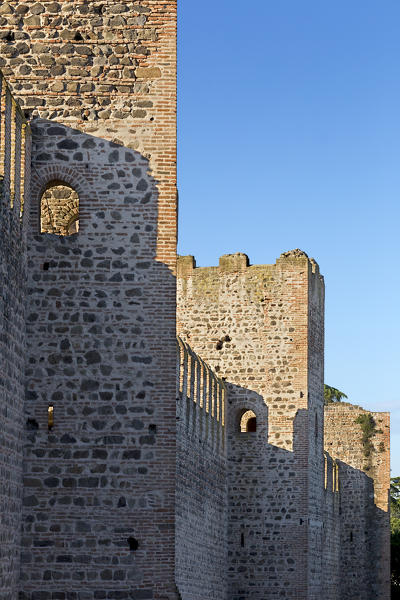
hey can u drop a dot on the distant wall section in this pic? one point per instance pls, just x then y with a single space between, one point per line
14 200
360 440
201 480
261 328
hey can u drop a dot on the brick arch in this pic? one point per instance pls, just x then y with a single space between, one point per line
248 418
55 175
59 209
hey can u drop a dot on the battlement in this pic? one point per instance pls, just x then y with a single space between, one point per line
239 262
253 324
361 439
201 401
15 143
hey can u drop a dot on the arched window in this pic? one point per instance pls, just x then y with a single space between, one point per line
59 209
248 422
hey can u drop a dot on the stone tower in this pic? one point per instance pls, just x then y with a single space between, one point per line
98 80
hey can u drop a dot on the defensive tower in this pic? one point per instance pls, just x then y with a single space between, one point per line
98 80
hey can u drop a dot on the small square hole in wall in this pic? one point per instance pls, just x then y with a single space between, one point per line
133 544
46 266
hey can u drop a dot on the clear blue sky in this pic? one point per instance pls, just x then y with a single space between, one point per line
289 136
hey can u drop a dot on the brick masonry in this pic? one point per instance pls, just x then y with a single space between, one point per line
365 475
98 81
14 185
261 329
128 471
201 480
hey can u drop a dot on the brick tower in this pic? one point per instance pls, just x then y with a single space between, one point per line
98 80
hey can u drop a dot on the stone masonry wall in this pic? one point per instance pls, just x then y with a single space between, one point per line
107 68
99 78
330 547
314 425
14 181
252 325
201 480
99 507
344 441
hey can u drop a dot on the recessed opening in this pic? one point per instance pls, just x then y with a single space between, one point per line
248 422
59 210
50 416
242 540
133 544
46 266
32 424
78 37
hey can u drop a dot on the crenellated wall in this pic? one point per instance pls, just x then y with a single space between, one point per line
330 547
261 328
125 473
14 197
201 480
98 81
365 483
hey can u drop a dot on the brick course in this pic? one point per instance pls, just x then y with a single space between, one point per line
145 482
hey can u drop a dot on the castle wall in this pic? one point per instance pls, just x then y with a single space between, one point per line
330 550
365 483
106 68
315 439
201 480
358 570
99 485
252 325
14 181
99 502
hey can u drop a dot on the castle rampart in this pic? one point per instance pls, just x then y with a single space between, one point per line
261 328
129 470
98 81
14 190
361 441
201 479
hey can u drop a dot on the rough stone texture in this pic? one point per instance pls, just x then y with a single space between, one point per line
99 351
260 328
289 504
59 211
14 182
365 475
201 480
99 500
127 493
106 68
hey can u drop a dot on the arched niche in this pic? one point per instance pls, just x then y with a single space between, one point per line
59 209
248 422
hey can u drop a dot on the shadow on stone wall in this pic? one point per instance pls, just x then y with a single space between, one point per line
99 484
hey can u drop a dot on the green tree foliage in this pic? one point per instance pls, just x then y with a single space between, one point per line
331 394
395 536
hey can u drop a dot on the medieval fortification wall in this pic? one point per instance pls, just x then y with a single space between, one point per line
290 506
14 186
201 479
128 470
99 81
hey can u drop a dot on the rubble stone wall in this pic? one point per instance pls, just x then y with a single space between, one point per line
106 68
201 480
14 182
365 457
99 513
251 324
